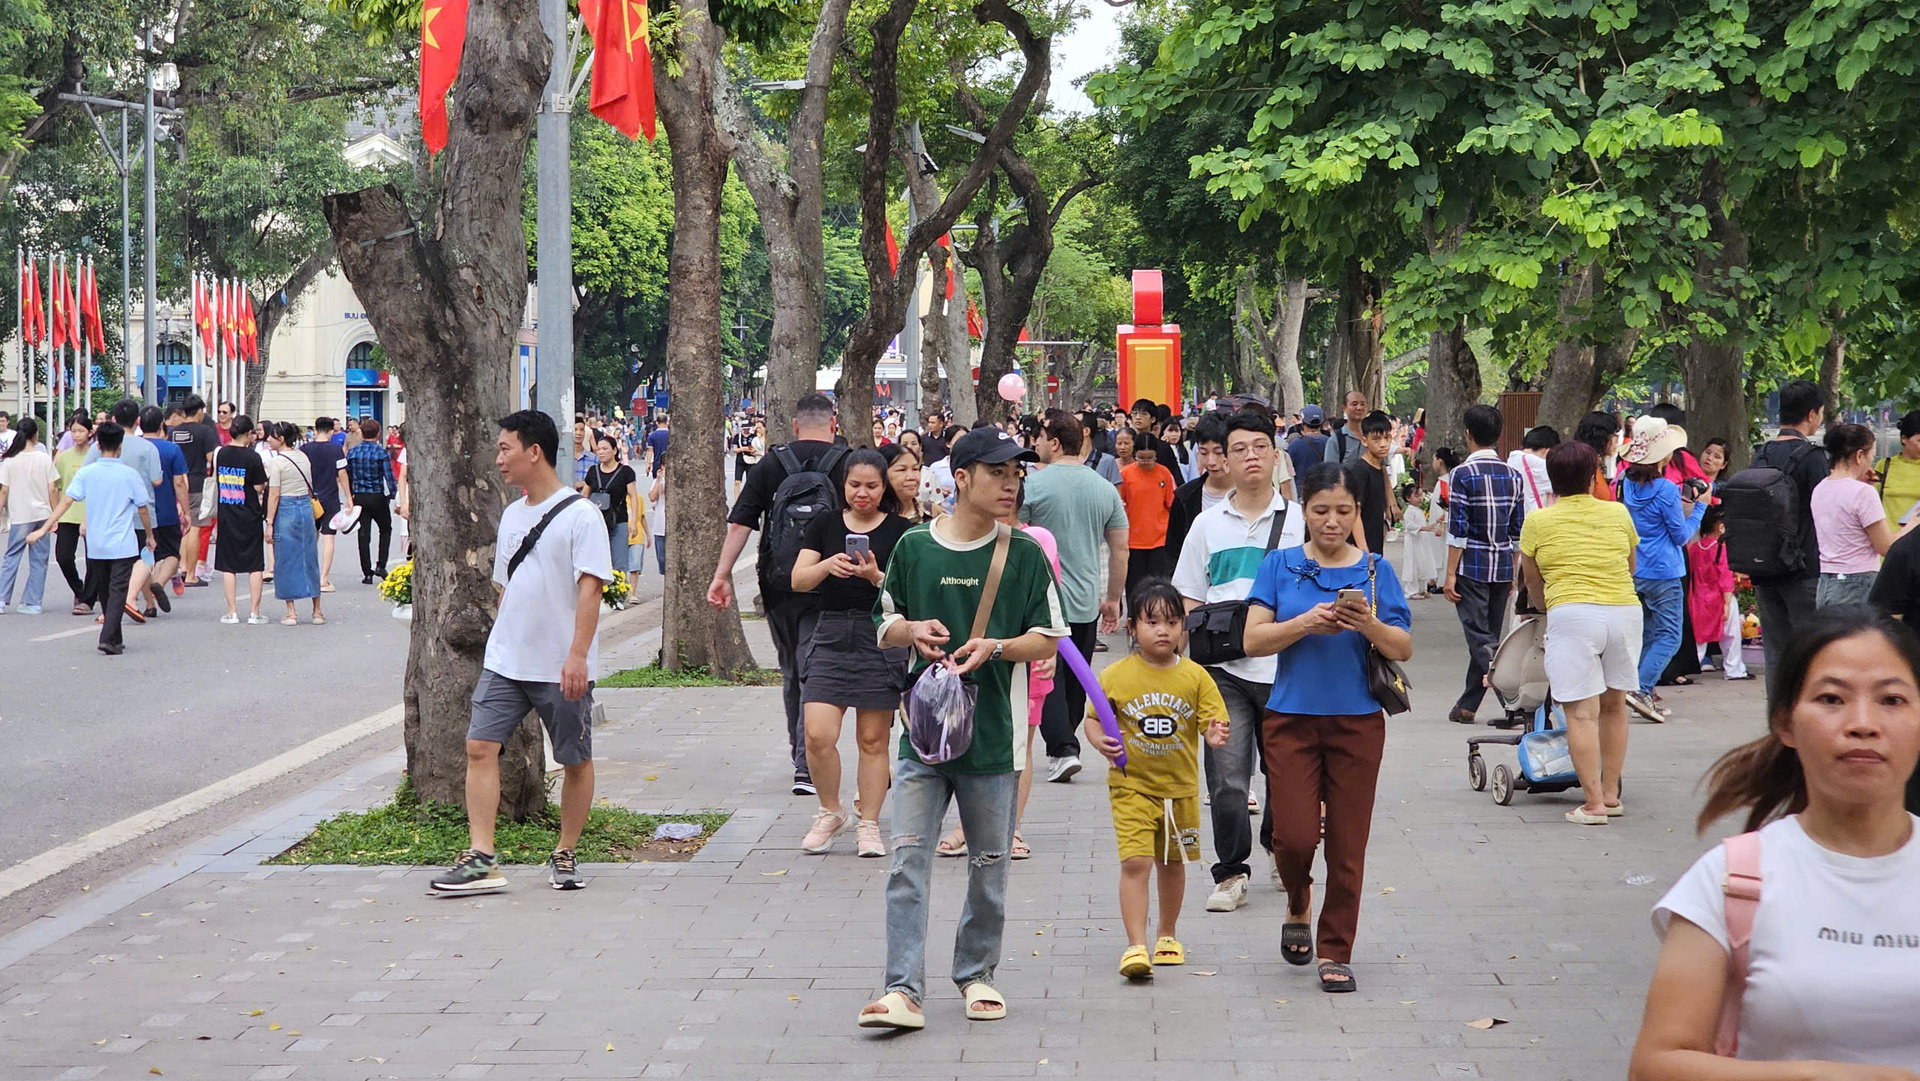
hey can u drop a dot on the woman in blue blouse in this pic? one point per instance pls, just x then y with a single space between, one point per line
1665 519
1324 732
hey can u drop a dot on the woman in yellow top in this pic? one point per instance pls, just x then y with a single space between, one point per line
1578 555
86 589
1900 474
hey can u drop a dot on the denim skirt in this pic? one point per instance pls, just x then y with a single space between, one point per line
843 664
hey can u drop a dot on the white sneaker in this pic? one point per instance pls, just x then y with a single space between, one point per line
230 619
1061 770
1228 895
1273 876
257 620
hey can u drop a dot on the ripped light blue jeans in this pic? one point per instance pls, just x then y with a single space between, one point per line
919 803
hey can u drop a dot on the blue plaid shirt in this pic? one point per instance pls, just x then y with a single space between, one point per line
1486 507
370 470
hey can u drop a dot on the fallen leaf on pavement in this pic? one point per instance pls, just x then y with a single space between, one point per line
1280 1002
771 874
650 777
154 1069
609 1047
1388 889
793 998
255 1013
143 915
1408 1001
1215 972
275 1027
1485 1023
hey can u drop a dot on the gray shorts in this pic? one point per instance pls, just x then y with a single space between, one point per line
500 704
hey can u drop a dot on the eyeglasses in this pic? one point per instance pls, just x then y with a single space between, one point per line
1247 450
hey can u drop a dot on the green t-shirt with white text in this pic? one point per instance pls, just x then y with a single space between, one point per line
932 577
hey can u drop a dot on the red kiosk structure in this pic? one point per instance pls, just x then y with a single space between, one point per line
1147 351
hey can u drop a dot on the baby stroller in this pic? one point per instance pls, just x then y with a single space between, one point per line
1518 680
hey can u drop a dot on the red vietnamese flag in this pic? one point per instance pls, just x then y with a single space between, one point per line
622 93
893 250
249 330
975 329
60 307
203 315
443 34
227 292
90 306
33 324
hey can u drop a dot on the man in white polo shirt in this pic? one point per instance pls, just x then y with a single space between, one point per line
1223 552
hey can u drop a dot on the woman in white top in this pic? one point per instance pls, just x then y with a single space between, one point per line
28 491
656 514
292 530
1832 977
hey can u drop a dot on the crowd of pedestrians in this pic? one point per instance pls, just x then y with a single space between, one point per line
247 503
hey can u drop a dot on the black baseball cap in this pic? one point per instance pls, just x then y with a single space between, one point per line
989 445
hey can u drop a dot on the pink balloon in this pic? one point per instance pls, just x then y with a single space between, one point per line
1013 386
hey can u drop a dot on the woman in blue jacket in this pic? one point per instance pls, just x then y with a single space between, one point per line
1666 519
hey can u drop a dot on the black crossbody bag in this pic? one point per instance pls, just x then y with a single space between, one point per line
533 535
1216 631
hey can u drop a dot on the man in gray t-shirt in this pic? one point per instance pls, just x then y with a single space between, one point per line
135 451
1080 508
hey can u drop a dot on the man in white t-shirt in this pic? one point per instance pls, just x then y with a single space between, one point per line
550 562
1222 553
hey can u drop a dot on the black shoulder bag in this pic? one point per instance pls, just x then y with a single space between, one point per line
533 535
1215 631
1386 680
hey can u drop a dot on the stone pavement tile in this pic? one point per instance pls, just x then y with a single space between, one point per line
752 960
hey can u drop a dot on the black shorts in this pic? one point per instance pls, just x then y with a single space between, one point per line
740 466
166 542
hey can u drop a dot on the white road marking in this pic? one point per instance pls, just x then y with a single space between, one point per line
89 629
55 860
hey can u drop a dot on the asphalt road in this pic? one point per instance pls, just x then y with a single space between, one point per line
93 739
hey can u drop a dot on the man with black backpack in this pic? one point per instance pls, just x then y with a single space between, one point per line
787 489
1768 508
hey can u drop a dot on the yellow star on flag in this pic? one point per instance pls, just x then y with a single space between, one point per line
636 20
426 27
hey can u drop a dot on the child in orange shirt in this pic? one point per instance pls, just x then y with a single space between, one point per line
1146 488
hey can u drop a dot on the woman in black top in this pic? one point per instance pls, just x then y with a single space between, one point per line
843 667
613 487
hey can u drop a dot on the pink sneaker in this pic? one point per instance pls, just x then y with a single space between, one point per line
866 839
826 826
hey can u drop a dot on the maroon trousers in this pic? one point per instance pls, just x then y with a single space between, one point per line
1313 759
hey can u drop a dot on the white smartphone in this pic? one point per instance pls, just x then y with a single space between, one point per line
1908 517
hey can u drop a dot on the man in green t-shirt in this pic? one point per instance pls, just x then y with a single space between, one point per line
935 579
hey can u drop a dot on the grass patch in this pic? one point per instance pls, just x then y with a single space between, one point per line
653 675
409 831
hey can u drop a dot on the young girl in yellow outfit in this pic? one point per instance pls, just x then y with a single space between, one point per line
1163 702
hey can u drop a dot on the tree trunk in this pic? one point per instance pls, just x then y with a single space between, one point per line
933 333
1833 362
1566 395
790 204
957 355
1453 384
1714 368
888 287
1360 352
446 301
694 633
1292 317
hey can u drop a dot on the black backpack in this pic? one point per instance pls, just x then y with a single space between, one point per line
1764 510
806 494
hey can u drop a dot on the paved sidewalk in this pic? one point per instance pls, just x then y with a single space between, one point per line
752 961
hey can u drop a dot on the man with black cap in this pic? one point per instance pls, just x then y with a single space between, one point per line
936 581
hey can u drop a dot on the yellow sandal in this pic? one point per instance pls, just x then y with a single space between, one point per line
1168 951
1136 964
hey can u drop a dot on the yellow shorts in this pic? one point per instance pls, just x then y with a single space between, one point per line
1168 830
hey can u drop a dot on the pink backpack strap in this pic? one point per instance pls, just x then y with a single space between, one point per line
1742 889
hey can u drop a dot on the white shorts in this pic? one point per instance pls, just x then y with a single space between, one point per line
1592 648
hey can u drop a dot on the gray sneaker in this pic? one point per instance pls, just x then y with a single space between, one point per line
561 872
474 872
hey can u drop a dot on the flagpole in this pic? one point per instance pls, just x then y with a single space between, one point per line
86 341
20 350
193 335
54 264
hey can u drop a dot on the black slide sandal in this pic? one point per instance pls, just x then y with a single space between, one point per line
1296 943
1335 986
